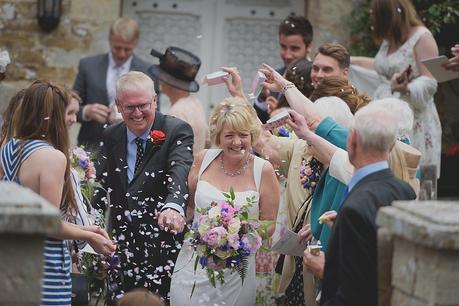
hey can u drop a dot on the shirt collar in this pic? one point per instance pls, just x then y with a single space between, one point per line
112 64
359 174
131 136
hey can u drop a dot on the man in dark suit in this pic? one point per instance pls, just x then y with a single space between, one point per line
351 261
96 79
146 159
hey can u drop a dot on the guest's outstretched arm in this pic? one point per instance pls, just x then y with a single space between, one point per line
363 61
234 82
267 145
296 100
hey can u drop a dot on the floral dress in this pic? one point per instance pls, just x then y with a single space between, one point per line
427 129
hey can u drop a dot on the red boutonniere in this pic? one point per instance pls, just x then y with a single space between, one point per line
453 149
156 137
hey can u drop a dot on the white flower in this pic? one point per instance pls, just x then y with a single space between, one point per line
234 226
203 228
214 212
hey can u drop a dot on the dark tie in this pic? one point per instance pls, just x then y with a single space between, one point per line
139 155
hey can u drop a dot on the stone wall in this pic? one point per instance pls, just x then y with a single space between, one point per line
55 55
330 20
25 219
83 29
418 254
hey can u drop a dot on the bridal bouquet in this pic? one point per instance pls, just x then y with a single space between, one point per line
81 162
225 236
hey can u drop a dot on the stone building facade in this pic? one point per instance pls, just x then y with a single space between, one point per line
83 31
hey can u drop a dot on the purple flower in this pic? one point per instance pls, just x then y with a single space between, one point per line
244 249
233 241
84 163
283 132
195 225
203 261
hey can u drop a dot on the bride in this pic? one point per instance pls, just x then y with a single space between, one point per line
234 128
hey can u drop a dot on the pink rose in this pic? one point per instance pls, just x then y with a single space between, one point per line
227 211
90 172
215 237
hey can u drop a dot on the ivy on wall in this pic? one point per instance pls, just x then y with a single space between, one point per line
440 17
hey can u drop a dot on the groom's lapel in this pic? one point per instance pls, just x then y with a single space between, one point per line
119 153
150 148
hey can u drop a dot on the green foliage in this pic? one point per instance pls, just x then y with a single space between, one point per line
440 17
242 268
361 40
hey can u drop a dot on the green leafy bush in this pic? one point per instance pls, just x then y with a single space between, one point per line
440 17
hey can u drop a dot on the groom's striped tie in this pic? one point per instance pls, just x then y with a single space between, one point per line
139 155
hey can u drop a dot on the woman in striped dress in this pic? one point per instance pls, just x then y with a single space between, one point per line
34 155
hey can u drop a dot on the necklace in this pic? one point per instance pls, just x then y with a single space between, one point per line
236 172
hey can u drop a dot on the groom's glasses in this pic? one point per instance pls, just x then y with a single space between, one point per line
131 108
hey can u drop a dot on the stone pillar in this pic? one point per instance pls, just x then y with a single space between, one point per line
25 218
420 242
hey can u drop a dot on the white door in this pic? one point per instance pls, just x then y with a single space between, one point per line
241 33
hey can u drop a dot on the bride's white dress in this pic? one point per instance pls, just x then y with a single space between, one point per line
232 292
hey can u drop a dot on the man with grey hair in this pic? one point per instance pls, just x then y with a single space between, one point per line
145 165
350 276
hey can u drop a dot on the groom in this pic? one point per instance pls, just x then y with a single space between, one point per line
146 160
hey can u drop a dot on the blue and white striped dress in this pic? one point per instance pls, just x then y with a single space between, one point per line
56 283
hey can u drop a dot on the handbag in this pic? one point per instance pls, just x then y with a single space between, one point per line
80 292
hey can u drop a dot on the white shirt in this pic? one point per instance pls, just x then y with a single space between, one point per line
113 73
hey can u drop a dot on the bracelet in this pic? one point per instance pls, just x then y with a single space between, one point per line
286 87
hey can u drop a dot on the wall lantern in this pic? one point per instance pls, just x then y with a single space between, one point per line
49 14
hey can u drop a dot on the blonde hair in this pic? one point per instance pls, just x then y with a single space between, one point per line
126 28
236 112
